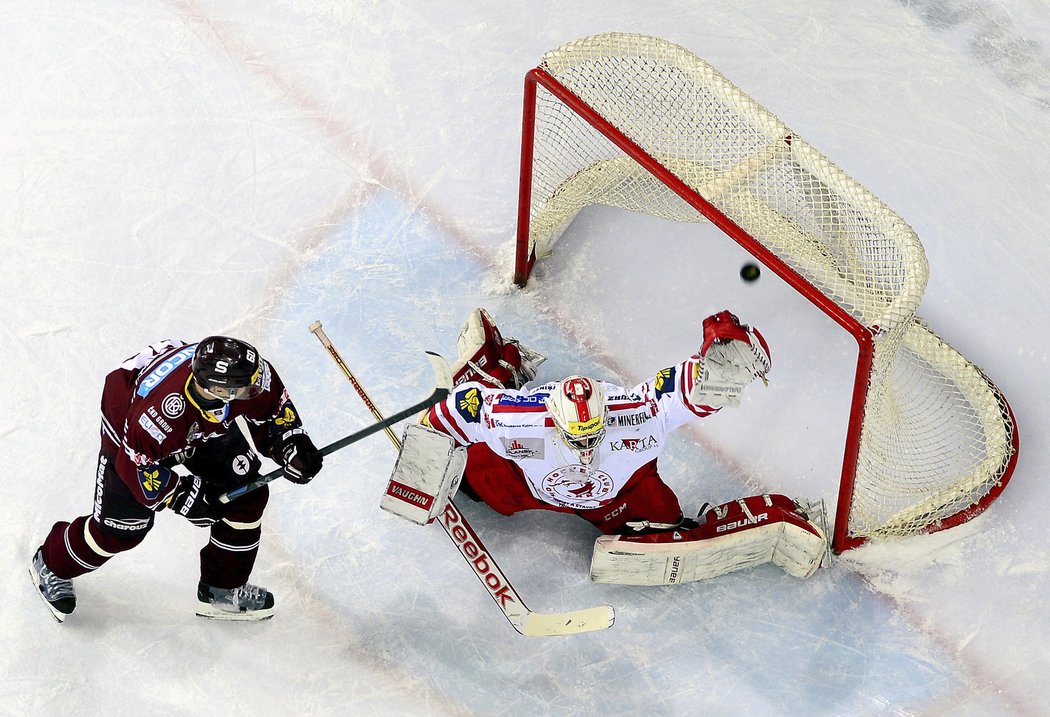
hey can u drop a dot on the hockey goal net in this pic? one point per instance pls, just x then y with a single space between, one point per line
642 124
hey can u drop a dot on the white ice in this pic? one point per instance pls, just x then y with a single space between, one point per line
188 167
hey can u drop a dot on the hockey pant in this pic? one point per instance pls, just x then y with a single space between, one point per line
119 523
503 487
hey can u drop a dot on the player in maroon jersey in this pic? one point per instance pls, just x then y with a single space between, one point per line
171 438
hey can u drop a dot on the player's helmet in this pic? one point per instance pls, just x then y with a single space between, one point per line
577 405
227 369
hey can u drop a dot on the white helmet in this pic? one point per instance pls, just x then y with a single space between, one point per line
577 405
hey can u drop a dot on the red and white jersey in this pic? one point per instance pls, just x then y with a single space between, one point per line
517 426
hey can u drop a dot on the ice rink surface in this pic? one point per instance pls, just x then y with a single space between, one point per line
188 168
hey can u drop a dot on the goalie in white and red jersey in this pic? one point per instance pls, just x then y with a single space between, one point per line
585 446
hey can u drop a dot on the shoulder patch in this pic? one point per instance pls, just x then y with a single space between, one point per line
468 403
153 480
665 381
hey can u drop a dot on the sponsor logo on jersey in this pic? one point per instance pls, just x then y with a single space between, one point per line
468 403
173 405
521 448
525 402
578 487
241 465
630 419
158 419
151 428
664 382
151 380
635 445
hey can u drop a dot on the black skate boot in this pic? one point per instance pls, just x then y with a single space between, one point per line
248 602
57 593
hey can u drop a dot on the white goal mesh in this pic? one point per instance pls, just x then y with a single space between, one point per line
642 124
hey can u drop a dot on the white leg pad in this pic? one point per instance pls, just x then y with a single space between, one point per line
427 474
737 535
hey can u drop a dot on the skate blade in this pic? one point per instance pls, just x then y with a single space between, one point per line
213 613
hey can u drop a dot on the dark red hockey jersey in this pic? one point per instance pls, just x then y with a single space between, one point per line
149 416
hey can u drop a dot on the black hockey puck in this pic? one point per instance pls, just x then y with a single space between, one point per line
750 272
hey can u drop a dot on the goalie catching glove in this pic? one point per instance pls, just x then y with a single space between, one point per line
298 456
486 356
731 356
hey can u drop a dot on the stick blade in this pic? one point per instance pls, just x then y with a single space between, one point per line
541 624
442 372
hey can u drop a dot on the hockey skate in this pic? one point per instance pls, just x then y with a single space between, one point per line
57 593
248 602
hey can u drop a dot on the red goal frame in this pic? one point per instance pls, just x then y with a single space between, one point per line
864 335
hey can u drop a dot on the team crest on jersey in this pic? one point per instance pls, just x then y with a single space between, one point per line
665 381
173 405
578 487
165 367
523 447
468 403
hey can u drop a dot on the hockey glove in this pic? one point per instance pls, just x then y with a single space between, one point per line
299 456
191 502
486 356
731 356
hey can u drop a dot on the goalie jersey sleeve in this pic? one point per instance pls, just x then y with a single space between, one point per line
517 426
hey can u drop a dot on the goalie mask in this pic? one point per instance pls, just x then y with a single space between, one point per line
577 405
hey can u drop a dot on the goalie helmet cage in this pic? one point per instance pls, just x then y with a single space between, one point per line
639 123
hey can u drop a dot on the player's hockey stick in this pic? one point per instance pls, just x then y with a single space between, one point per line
442 385
522 619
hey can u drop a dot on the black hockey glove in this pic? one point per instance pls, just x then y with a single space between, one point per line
299 456
191 502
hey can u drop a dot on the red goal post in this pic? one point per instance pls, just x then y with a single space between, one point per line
640 123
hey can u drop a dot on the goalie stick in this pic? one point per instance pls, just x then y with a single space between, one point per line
443 384
527 622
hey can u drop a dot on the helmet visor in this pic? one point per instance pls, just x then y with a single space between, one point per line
228 393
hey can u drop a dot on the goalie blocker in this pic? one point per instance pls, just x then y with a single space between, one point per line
426 475
736 535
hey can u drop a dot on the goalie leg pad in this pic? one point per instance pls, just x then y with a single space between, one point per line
426 475
736 535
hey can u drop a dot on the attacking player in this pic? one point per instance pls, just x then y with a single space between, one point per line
171 438
588 447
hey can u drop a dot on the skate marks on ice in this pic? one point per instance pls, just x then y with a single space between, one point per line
995 41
